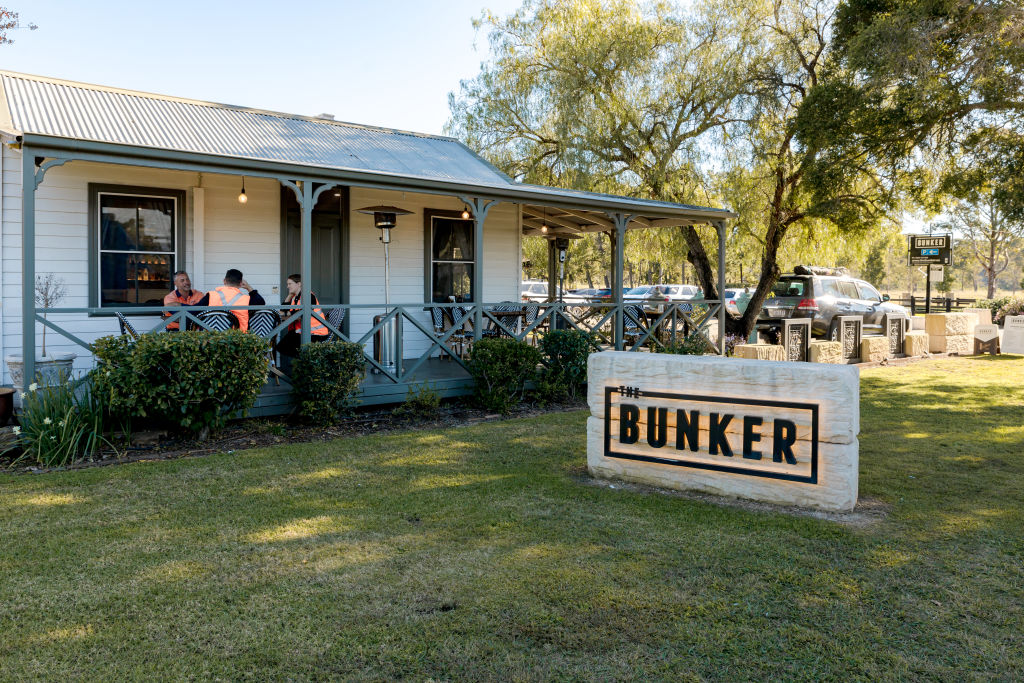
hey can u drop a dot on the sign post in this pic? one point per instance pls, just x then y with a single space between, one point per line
928 250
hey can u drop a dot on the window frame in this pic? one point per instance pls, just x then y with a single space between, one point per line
95 253
428 251
875 298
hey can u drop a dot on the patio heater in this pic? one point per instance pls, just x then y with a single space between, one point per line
384 219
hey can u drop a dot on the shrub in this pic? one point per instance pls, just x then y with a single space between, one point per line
565 363
1009 307
993 305
326 377
58 424
694 345
501 368
192 380
422 402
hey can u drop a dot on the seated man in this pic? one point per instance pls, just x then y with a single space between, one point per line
231 294
181 295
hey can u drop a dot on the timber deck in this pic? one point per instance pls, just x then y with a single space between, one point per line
446 377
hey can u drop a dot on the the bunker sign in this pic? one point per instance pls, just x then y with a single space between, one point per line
750 437
778 432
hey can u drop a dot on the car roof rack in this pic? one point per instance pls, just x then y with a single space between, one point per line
821 270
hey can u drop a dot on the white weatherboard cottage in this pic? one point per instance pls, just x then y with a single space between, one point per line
114 190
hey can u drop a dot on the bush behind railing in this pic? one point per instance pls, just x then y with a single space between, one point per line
565 364
192 380
501 370
326 378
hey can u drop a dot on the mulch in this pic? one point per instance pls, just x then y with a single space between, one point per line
259 432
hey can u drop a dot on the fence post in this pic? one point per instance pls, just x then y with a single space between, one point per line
913 305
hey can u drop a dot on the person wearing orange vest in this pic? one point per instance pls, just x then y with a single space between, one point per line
181 295
231 294
290 342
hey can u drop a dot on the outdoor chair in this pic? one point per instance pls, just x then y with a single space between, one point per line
335 318
262 324
218 321
634 323
493 331
127 327
463 338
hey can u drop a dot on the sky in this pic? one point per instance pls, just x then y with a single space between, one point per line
380 63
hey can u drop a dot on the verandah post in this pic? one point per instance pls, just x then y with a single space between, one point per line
621 222
720 227
28 264
306 265
479 208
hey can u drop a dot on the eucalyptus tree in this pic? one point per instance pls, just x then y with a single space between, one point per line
990 236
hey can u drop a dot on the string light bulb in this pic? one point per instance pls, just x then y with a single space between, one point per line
544 223
242 197
465 212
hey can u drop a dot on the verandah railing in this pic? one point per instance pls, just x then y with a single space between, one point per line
628 326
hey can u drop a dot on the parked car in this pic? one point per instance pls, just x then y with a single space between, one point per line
673 292
534 290
735 301
822 294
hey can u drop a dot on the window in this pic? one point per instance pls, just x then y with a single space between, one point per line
848 289
789 287
830 287
868 292
135 241
451 258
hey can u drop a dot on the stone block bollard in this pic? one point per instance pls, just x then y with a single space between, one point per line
826 352
874 349
915 343
760 351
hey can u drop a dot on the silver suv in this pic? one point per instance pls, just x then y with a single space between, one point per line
823 294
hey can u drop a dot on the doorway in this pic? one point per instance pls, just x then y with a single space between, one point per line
329 277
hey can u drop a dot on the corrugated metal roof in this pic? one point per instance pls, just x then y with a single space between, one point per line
81 111
87 112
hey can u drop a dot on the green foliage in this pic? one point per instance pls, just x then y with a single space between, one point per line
192 380
59 424
326 377
422 402
1012 306
501 369
694 345
565 363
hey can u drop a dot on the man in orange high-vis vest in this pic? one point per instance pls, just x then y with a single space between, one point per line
181 295
234 292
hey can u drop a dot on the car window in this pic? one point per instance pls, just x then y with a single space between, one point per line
868 292
848 289
829 287
789 287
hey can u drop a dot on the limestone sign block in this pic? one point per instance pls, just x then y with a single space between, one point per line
826 352
874 349
917 323
1013 334
915 343
760 351
961 344
984 315
947 324
779 432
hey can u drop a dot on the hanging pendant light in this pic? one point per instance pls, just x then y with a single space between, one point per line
465 212
242 198
544 223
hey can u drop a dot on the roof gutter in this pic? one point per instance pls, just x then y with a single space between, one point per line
196 161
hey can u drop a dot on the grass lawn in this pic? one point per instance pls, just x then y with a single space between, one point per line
482 553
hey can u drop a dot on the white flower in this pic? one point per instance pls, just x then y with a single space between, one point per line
62 423
23 395
33 386
47 421
16 430
53 438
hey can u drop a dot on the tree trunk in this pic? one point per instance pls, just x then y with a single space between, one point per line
990 268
